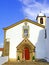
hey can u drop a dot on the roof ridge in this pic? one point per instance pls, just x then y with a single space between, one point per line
33 22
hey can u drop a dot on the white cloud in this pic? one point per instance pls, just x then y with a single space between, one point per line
31 8
29 13
27 2
46 10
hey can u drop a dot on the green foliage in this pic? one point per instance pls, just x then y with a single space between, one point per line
33 58
18 58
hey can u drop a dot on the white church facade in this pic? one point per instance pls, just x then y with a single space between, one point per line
26 39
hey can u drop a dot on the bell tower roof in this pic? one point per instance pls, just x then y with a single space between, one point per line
41 14
41 18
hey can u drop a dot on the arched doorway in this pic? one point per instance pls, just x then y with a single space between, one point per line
25 50
26 54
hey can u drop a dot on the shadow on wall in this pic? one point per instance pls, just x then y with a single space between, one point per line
47 39
3 60
40 51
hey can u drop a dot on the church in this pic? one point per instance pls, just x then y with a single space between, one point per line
26 39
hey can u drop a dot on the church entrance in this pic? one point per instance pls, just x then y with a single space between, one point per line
25 50
26 54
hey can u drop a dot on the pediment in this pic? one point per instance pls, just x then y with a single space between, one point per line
25 43
25 20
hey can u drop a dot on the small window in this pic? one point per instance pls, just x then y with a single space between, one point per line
26 32
41 20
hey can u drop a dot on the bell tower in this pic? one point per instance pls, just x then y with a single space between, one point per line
41 18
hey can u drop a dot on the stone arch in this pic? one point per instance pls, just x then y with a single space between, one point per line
26 49
41 20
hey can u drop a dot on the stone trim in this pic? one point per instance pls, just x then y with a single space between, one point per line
25 20
25 42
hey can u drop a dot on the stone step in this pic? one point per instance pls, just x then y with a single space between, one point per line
26 63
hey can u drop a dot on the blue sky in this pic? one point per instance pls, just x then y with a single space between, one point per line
12 11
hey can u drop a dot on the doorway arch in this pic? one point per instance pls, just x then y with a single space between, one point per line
25 50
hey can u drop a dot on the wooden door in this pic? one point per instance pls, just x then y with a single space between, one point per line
27 54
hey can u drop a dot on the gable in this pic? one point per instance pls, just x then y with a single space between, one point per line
25 20
25 43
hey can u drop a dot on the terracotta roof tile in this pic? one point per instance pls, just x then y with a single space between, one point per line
1 49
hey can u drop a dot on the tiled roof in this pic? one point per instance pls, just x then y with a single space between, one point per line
1 49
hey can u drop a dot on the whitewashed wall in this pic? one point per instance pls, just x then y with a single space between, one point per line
0 53
15 36
36 37
47 39
3 59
